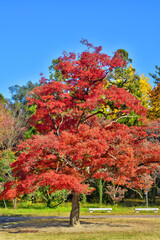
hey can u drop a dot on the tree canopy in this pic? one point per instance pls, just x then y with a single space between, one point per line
78 137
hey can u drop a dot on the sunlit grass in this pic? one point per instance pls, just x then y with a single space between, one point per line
65 208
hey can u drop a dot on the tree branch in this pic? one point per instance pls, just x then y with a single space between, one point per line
116 120
80 120
96 114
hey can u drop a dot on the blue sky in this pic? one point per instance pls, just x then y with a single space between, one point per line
33 32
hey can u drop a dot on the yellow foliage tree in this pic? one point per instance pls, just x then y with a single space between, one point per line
145 89
154 111
137 85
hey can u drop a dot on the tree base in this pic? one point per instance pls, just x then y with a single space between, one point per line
74 216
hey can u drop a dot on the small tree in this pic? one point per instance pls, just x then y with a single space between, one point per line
12 127
116 193
6 158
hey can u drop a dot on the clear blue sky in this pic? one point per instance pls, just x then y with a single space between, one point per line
33 32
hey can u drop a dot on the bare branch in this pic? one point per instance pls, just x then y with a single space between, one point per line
59 124
99 112
80 120
112 156
137 192
116 120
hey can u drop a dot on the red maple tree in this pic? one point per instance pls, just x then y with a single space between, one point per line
79 138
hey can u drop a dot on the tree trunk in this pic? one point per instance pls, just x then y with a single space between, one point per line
15 203
154 191
5 205
84 199
74 216
100 186
48 203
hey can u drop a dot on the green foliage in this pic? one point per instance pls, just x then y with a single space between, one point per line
156 75
84 198
19 99
2 99
31 205
131 120
138 86
19 93
125 55
54 72
126 77
60 196
30 132
42 195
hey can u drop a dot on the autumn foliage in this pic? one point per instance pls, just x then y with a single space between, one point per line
79 139
154 111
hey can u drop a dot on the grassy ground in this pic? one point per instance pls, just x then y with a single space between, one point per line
58 229
98 229
65 208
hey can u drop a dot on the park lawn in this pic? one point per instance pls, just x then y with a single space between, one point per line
65 208
98 229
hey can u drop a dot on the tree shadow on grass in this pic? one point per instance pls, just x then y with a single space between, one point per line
17 224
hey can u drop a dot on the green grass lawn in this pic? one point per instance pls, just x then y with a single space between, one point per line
65 208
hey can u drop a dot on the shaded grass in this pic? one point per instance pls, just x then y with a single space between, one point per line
98 229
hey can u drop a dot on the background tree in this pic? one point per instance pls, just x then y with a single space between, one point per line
154 110
19 107
54 72
12 128
6 158
145 89
156 75
2 99
116 193
19 93
127 78
126 75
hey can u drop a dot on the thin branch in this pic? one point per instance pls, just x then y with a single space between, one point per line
100 79
96 114
146 163
65 198
137 192
126 116
59 124
53 120
80 120
67 161
112 156
71 164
